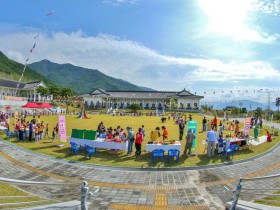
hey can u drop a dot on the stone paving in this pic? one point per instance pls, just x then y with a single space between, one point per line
191 188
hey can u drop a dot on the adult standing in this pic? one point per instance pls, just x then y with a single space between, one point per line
211 140
189 141
30 130
260 121
204 123
181 129
138 142
256 131
215 123
100 128
143 131
155 135
130 138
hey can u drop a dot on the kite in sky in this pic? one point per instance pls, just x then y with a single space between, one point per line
50 13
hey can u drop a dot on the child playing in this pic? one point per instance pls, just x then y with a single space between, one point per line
220 145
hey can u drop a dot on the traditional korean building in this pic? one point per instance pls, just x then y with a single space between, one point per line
100 98
26 91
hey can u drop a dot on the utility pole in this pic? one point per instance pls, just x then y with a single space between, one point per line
268 105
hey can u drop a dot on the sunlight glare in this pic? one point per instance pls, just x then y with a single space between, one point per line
229 18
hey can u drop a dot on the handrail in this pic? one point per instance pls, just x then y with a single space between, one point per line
23 182
263 177
238 187
84 187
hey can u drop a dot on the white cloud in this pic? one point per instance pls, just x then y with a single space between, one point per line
267 6
119 2
231 18
131 61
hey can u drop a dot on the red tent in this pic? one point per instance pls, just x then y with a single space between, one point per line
45 106
8 107
31 105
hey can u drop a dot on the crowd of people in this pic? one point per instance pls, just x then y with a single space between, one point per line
216 136
217 132
33 130
119 135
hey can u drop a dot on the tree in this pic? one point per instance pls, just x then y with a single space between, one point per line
43 91
206 107
134 107
66 94
244 110
258 112
235 110
55 91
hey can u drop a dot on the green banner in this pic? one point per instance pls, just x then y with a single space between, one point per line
193 126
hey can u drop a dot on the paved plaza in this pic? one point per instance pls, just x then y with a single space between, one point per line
121 188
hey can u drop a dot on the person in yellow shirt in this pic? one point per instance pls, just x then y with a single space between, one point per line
155 134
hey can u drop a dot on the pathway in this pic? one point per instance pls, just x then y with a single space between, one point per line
192 188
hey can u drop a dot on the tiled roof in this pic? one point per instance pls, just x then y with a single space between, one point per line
13 84
99 91
143 94
31 85
10 83
139 94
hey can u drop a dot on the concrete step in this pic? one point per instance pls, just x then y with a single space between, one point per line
246 205
70 205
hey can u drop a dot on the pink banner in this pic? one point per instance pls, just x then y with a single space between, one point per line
62 128
247 125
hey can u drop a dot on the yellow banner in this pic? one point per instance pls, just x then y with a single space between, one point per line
12 98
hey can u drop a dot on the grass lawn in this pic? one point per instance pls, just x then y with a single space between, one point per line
150 122
8 194
270 200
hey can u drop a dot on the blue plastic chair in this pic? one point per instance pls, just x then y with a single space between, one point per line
74 148
174 153
158 153
89 151
230 150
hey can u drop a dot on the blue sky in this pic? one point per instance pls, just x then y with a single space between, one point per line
226 48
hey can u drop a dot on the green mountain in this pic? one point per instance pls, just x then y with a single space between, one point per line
12 70
81 80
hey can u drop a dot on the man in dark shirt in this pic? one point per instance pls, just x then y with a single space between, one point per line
181 129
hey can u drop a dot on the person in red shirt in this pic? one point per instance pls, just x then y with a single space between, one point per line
164 133
138 142
215 122
268 137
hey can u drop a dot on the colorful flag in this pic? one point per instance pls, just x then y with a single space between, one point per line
62 128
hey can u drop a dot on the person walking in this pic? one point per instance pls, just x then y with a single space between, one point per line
211 140
47 131
130 139
189 141
138 142
53 134
181 129
143 131
204 123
